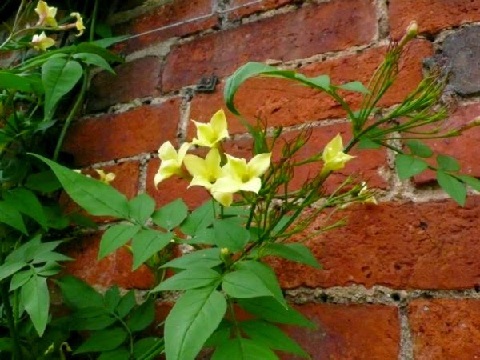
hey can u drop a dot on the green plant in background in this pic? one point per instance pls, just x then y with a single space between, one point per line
254 213
48 65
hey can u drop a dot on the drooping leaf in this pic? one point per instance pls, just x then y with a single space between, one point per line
94 196
453 187
408 166
192 278
142 316
25 83
147 243
419 148
171 215
199 219
103 340
10 268
230 234
27 203
293 252
20 278
205 258
241 284
12 217
447 163
470 181
95 60
59 76
36 301
192 320
115 237
243 349
126 304
78 294
356 86
44 181
141 208
112 298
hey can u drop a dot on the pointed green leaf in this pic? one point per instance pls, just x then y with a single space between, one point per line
147 243
27 203
141 208
59 76
293 252
230 234
45 181
20 278
78 294
126 304
356 86
115 237
419 148
243 349
241 284
94 196
36 301
148 348
199 219
453 187
95 60
192 320
117 354
192 278
474 183
112 298
170 215
91 318
142 316
322 81
447 163
10 268
103 340
205 258
10 216
408 166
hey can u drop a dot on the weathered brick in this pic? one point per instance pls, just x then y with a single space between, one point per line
285 103
113 269
432 16
349 332
172 19
173 188
445 328
240 8
113 136
311 30
411 245
459 147
134 79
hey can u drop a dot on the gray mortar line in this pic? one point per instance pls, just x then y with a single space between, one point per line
382 19
406 341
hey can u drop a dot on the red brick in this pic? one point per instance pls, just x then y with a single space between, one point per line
285 103
113 136
445 328
176 18
311 30
366 166
411 245
173 188
459 147
349 332
113 269
432 16
240 8
110 89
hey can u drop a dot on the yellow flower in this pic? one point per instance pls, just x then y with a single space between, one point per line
106 178
79 23
46 14
204 171
171 161
238 175
42 42
333 156
212 133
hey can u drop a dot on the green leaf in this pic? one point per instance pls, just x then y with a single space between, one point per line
10 216
59 76
230 234
203 236
470 181
44 181
192 320
96 197
241 284
148 348
243 349
205 258
126 304
271 310
271 336
91 318
10 268
20 278
78 294
27 203
95 60
408 166
117 354
170 215
25 83
356 86
103 340
293 252
266 275
6 344
141 208
419 148
142 316
447 163
147 243
453 187
112 298
116 236
199 219
192 278
36 301
366 143
322 81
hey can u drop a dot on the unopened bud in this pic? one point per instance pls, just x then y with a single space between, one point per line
224 251
412 29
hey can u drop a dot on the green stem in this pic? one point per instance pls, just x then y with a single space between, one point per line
94 18
4 293
71 115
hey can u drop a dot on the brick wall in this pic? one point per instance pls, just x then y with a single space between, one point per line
402 279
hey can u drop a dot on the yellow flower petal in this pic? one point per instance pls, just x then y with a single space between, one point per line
333 156
210 134
259 164
204 171
225 199
42 42
46 14
171 161
79 23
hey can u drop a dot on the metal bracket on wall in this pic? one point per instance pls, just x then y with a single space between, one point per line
207 84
